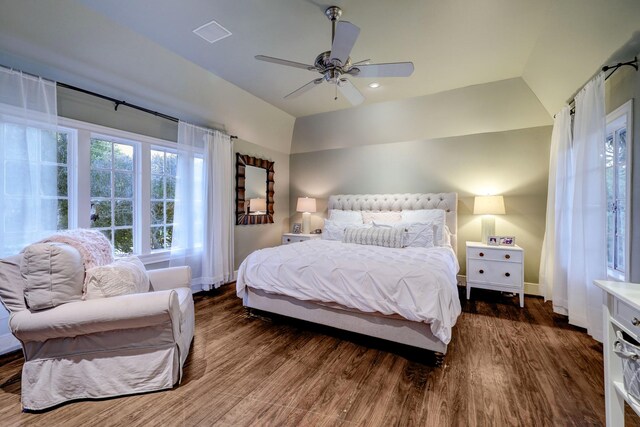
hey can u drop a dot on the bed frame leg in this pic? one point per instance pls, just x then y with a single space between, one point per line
439 358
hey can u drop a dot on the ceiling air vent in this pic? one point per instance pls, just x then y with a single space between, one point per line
212 32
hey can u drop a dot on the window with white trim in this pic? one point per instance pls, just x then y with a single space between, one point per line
163 195
32 156
617 155
91 176
112 192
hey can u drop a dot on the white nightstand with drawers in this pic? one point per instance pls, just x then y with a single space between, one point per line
621 314
288 238
498 268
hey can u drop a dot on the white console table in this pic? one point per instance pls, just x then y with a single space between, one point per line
621 312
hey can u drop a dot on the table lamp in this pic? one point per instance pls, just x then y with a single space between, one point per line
488 206
257 206
306 205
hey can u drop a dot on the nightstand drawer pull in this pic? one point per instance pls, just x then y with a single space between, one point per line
507 256
288 240
635 321
507 274
481 271
481 254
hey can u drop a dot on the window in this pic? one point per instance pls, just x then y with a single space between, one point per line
617 186
35 184
89 176
163 194
112 192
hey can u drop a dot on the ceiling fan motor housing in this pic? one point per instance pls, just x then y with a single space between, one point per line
323 64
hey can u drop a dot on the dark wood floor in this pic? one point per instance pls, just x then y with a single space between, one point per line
506 366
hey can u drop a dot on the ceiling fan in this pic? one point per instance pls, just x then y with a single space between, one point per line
335 65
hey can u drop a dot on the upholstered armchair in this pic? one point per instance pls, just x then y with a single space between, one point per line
78 348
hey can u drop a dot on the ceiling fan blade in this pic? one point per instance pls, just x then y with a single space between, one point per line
296 93
285 62
349 91
363 62
394 69
345 38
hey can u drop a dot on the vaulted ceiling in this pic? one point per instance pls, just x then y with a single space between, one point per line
554 45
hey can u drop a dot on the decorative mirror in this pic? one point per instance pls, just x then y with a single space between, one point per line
254 190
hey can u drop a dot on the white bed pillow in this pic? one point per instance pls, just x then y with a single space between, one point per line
416 234
388 237
345 217
335 230
122 277
423 215
387 217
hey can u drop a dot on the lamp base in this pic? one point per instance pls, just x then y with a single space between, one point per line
306 223
488 227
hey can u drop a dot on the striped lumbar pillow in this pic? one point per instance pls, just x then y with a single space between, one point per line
387 237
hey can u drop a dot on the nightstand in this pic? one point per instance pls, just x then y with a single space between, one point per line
288 238
498 268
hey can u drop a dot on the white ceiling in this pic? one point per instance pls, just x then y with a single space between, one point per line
554 45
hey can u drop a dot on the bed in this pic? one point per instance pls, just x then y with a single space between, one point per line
309 280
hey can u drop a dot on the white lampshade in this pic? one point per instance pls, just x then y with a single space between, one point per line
306 204
488 205
257 205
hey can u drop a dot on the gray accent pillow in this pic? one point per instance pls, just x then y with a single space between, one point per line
12 284
54 275
376 236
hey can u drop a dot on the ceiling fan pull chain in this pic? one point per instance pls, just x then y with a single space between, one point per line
336 97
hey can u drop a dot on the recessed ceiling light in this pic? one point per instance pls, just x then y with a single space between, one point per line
374 85
212 32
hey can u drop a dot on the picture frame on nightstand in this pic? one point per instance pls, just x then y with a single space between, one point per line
297 228
493 240
507 241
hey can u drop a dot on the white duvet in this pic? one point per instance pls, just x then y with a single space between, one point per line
419 284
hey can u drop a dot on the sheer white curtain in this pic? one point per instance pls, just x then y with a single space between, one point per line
555 247
588 225
29 159
574 248
203 223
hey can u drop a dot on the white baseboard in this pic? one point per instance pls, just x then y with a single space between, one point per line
529 288
533 289
8 343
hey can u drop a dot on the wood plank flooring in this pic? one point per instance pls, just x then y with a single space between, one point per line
505 366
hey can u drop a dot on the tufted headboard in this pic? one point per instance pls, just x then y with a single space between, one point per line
397 202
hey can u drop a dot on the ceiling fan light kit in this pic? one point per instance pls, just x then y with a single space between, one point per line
334 65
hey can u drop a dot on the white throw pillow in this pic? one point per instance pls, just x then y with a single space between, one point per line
437 217
345 217
122 277
53 275
335 230
387 217
388 237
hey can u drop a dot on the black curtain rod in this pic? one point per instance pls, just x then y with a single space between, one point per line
125 103
633 63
